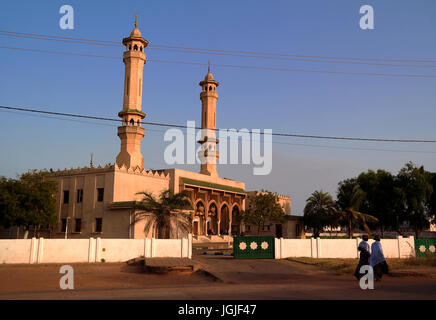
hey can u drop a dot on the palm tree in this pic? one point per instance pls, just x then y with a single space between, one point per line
319 212
164 216
350 201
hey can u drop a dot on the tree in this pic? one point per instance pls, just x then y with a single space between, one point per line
164 217
28 202
266 208
383 198
319 212
350 198
416 184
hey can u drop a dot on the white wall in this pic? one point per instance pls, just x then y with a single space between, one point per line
340 248
91 250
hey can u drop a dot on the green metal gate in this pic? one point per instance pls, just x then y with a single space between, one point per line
253 247
425 247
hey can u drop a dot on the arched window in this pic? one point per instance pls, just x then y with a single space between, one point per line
135 48
132 122
140 48
130 47
137 122
210 88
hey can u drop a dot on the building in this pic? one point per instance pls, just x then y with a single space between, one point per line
98 201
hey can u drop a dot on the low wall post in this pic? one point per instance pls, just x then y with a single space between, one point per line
357 246
318 247
190 245
32 250
91 251
153 247
40 253
97 249
399 239
281 248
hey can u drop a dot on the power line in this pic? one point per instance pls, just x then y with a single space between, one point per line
396 75
228 130
274 142
201 51
230 51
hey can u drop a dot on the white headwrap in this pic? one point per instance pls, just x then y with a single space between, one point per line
377 255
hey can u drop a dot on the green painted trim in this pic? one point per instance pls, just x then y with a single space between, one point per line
212 185
123 204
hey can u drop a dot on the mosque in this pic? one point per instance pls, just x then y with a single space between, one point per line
99 201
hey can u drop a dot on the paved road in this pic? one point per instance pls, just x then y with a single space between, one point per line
239 279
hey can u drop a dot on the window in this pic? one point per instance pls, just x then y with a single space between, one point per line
79 195
131 123
248 228
66 196
269 227
78 225
297 230
135 47
64 225
98 224
100 194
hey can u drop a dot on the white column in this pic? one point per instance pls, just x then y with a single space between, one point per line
91 250
399 239
357 246
281 248
32 250
147 248
153 248
311 248
97 250
190 245
318 247
219 227
277 249
40 250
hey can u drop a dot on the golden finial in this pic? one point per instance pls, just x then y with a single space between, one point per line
136 20
208 68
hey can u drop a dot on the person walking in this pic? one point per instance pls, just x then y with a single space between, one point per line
363 248
377 259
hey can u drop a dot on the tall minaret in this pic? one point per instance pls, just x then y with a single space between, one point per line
208 97
131 132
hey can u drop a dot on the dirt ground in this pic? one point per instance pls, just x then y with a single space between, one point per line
232 279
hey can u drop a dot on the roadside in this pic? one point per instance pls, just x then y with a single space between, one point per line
412 267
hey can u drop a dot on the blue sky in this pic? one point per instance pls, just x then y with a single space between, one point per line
295 102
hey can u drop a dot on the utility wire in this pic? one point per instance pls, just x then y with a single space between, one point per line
229 51
228 130
198 51
396 75
152 131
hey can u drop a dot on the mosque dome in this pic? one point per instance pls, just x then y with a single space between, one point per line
209 77
135 33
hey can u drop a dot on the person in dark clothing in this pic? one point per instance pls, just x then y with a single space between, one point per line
363 248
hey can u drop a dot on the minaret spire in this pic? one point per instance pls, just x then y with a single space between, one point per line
131 132
209 153
208 68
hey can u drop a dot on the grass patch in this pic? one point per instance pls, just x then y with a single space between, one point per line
348 266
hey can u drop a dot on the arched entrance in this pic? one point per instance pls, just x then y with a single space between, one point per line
225 219
198 223
213 219
235 220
